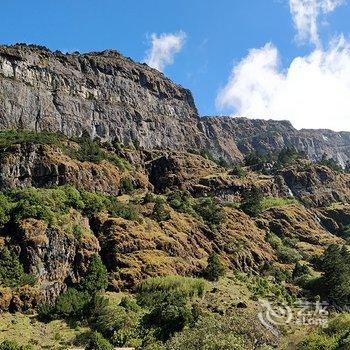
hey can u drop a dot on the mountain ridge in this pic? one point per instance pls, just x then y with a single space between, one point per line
110 96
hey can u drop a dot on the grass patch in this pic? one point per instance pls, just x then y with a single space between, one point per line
273 202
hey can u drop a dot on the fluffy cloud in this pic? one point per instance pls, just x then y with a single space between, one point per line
163 49
312 92
305 15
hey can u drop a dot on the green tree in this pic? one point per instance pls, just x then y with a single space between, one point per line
215 269
5 208
252 202
96 278
335 282
300 270
11 270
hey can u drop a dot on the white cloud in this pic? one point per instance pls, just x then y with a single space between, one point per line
312 93
305 14
163 49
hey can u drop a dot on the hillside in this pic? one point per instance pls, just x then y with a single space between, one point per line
126 219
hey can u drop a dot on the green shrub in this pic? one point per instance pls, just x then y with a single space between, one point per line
272 202
125 211
334 336
72 304
96 278
207 155
98 342
215 269
5 210
289 155
285 253
149 198
330 163
334 284
160 213
238 171
209 332
120 324
89 151
126 185
168 300
13 137
11 270
40 203
12 345
300 270
210 211
182 202
74 198
252 202
94 202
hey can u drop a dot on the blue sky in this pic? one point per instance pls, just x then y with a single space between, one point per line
219 35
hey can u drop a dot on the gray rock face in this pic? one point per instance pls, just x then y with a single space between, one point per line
270 136
110 96
103 94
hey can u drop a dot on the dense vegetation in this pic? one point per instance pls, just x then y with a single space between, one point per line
172 312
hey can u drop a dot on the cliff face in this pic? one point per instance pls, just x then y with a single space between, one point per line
109 96
104 94
249 135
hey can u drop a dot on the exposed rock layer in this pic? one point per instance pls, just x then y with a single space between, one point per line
110 96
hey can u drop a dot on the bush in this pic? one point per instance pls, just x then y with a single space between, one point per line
334 336
285 253
160 213
13 137
252 202
5 209
330 163
72 304
94 202
11 270
126 185
289 155
182 202
40 203
125 211
215 269
238 171
118 323
258 161
168 300
210 211
89 151
12 345
300 270
96 278
210 332
272 202
98 342
335 282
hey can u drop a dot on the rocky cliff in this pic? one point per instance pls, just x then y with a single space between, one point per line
109 96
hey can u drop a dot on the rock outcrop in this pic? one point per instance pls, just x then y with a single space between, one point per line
109 96
247 135
104 94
